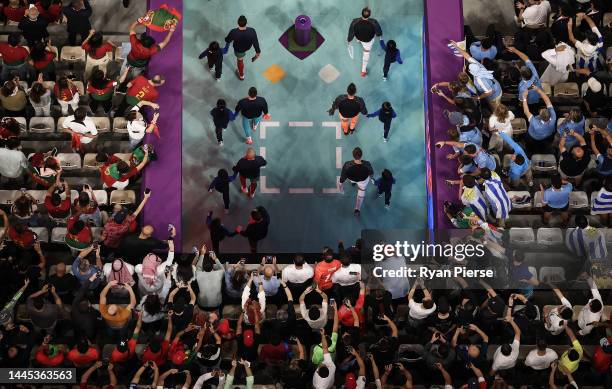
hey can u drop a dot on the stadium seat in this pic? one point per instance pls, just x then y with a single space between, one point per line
549 236
80 87
607 19
516 195
49 84
599 122
578 200
552 274
69 161
89 161
521 236
72 54
38 195
122 197
60 124
124 156
120 125
519 126
547 88
566 89
7 196
544 163
102 123
42 233
58 234
24 85
42 124
537 200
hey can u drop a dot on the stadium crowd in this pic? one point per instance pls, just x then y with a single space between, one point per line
83 285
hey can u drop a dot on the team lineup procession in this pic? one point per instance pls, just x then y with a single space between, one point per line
322 194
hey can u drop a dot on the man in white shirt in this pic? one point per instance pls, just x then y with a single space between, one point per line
209 275
346 279
81 126
560 59
13 162
506 355
592 311
541 357
534 14
588 50
557 318
297 276
323 377
315 317
419 311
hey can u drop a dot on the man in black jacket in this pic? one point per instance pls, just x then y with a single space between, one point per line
257 228
78 14
249 167
33 26
349 107
84 317
358 172
365 29
244 38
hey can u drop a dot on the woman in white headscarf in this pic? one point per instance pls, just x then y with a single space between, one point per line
151 272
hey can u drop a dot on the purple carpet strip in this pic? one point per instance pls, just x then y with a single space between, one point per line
163 176
444 22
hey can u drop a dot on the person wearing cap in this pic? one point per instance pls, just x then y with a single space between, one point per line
33 26
118 226
594 100
117 317
565 371
248 339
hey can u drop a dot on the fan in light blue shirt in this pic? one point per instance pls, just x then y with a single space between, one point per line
575 121
483 49
516 170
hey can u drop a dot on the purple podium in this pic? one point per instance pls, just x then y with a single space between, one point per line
303 28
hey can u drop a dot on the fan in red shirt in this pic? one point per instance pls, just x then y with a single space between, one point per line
324 269
83 354
67 93
78 235
15 11
142 89
9 128
116 173
13 54
56 206
143 48
345 312
157 350
125 350
95 45
49 355
22 236
42 59
50 9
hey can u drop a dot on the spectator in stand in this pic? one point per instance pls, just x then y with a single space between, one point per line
116 173
49 355
483 49
65 283
317 351
143 48
140 89
257 227
315 317
137 127
117 227
325 269
519 164
349 315
588 50
40 97
500 122
82 128
556 199
235 281
14 58
13 162
14 11
100 90
298 276
541 357
77 14
520 276
561 59
33 26
324 375
506 355
496 195
592 311
595 100
67 95
13 98
117 317
570 359
244 38
533 13
135 247
50 10
270 281
42 59
86 206
604 161
78 234
153 272
120 271
473 353
541 129
602 204
586 241
83 354
85 378
44 315
99 52
529 79
557 318
346 279
9 128
209 274
83 270
419 311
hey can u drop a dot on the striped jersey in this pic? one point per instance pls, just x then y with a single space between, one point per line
498 198
587 242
